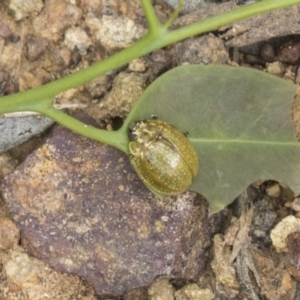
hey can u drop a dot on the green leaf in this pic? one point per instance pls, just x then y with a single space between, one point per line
238 120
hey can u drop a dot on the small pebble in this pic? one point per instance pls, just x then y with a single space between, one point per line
289 53
137 65
115 32
9 234
5 31
193 292
273 190
36 46
295 205
77 38
267 52
161 289
62 57
278 235
276 68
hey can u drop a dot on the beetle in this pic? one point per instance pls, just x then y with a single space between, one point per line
163 157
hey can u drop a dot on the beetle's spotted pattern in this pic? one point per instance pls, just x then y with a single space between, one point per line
162 156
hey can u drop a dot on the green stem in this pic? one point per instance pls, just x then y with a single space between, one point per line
116 139
152 20
174 14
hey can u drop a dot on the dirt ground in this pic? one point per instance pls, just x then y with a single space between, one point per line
249 250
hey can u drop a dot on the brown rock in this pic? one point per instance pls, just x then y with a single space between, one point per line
82 209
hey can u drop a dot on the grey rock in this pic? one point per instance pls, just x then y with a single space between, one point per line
17 130
189 5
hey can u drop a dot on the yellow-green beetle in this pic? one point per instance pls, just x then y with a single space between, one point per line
162 156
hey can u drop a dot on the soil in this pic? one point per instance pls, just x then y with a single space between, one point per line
241 256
